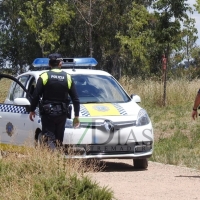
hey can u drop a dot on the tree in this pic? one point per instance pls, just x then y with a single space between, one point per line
189 34
16 44
88 14
138 39
196 56
169 14
197 6
108 17
44 19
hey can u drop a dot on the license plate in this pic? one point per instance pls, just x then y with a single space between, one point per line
143 148
111 148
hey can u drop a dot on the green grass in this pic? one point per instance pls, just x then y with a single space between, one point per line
177 136
179 149
39 174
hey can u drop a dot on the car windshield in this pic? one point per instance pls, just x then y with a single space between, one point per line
99 89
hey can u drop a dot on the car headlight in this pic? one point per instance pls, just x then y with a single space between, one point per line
143 118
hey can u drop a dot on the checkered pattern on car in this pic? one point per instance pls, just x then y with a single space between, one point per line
120 109
84 111
12 109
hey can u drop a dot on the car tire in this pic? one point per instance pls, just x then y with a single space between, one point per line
40 140
140 163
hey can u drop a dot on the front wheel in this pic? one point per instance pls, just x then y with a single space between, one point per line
40 140
140 163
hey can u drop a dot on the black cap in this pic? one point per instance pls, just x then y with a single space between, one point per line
55 56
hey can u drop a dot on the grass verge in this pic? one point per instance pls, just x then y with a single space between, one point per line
41 174
177 136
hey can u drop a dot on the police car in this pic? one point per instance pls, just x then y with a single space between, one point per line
112 123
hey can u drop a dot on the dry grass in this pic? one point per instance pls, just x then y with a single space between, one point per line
176 115
22 168
4 87
177 136
178 92
20 154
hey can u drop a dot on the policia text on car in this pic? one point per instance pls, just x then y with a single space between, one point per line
52 93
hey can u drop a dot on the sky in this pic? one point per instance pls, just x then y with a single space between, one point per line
196 16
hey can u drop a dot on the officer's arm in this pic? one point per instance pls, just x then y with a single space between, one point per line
196 101
75 100
36 95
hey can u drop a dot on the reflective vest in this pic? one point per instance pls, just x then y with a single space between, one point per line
56 85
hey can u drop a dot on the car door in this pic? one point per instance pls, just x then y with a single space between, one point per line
15 126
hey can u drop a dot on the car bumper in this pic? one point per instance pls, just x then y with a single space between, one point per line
107 156
138 151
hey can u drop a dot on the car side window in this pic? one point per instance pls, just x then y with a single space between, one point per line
18 91
10 94
32 85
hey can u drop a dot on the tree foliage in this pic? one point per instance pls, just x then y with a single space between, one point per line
138 37
44 19
15 44
126 37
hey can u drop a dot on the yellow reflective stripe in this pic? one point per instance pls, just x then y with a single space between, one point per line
44 77
69 81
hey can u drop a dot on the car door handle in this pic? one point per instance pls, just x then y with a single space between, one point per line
0 117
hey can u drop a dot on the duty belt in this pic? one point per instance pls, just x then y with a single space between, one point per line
52 108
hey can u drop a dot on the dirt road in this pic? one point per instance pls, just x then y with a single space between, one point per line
158 182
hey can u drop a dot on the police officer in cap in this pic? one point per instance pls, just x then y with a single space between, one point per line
53 87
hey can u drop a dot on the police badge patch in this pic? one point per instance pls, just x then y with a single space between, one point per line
101 108
9 129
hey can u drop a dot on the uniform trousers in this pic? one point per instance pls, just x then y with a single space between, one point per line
53 127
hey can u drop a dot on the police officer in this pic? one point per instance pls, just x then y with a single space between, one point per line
196 105
53 87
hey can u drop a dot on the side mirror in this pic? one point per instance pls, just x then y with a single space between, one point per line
136 98
22 102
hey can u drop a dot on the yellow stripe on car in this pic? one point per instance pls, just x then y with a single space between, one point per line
105 109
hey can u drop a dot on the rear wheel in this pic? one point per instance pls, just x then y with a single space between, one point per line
140 163
41 140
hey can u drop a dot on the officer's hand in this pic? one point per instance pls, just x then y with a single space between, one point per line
76 122
31 116
194 114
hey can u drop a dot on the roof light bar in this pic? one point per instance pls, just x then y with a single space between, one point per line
90 62
41 62
67 62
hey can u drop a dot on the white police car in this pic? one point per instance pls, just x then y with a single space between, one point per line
113 125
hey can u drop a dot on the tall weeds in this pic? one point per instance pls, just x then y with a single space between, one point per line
178 92
177 136
4 87
38 174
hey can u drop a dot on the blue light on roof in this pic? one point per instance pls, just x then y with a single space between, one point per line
75 62
85 62
41 62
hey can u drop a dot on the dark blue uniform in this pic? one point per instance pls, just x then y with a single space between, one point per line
54 87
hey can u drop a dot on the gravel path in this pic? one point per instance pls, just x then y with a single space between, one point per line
158 182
